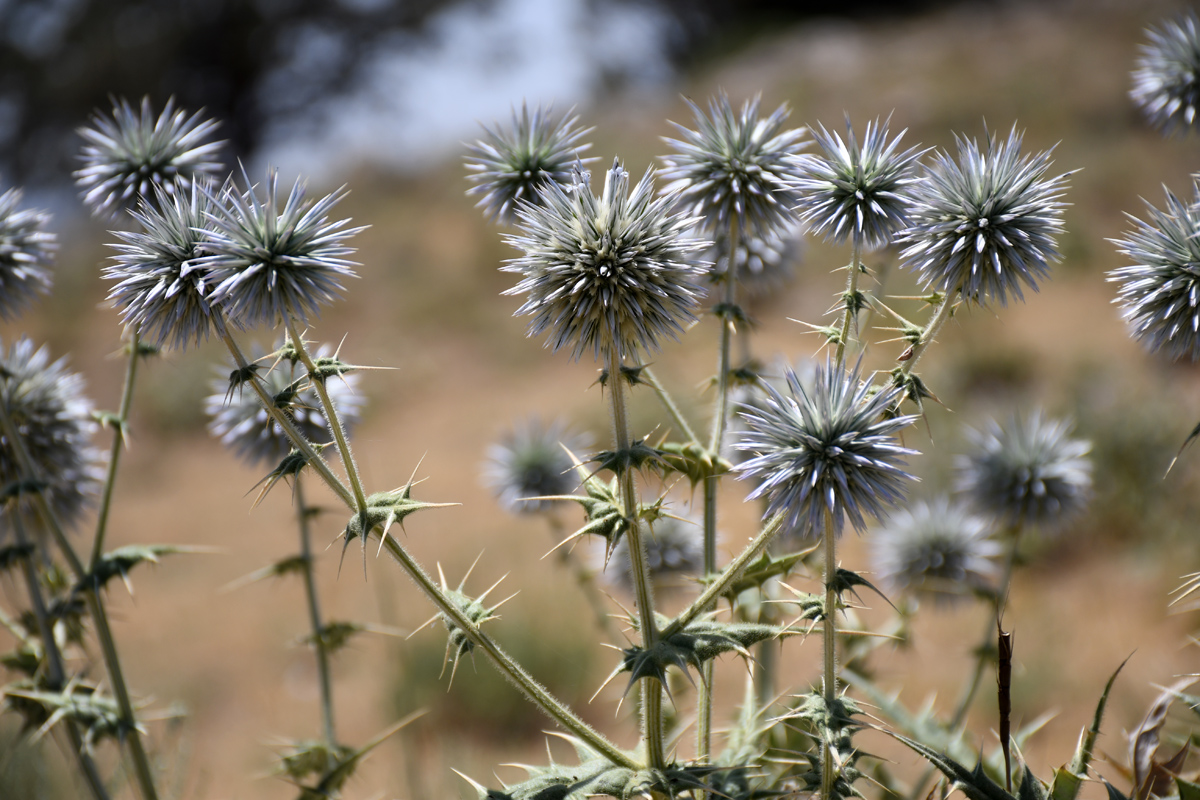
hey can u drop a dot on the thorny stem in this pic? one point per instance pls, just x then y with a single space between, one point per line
118 445
314 616
112 661
331 415
639 568
669 404
851 310
828 773
929 334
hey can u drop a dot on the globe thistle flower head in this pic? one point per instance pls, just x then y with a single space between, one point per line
935 548
131 151
674 553
272 258
1166 81
613 271
763 263
238 419
162 283
985 226
1029 472
1160 292
529 462
53 417
826 446
26 253
736 166
513 165
856 190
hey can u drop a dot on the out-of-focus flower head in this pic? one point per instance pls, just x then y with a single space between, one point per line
674 553
129 152
514 164
26 253
530 462
763 263
1166 80
614 271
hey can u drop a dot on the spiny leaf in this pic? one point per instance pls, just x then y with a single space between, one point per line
974 783
762 570
1190 438
636 456
118 562
1068 779
690 460
700 641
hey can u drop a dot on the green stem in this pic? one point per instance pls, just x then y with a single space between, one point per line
314 616
118 446
851 308
638 562
931 330
721 412
828 773
669 404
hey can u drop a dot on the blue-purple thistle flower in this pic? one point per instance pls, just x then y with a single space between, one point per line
1160 292
515 164
238 419
736 167
274 260
825 448
1166 81
985 225
162 282
856 190
26 253
936 548
53 417
613 271
1029 472
128 153
530 462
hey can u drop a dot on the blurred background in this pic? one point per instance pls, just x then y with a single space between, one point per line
381 95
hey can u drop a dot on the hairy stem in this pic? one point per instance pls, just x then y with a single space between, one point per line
118 445
314 616
830 683
669 404
931 330
850 311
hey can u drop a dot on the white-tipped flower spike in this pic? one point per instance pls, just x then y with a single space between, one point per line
130 152
856 190
763 263
935 548
1160 292
736 166
530 462
161 278
26 253
674 552
613 271
54 419
511 165
825 446
1166 82
986 225
275 260
238 419
1029 472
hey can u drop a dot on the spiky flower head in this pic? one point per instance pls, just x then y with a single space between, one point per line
128 153
674 553
985 225
238 419
274 259
1029 472
613 271
736 167
530 462
162 283
53 418
26 253
763 263
1160 292
1166 81
825 448
513 165
857 190
937 548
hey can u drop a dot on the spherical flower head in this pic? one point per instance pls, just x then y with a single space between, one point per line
530 462
763 263
53 417
852 190
985 225
674 553
935 548
1166 82
162 283
736 167
1029 472
1160 292
273 261
613 271
26 253
513 165
825 449
130 152
238 419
